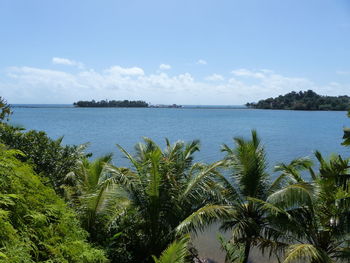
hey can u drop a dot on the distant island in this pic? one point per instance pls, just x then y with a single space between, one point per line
303 100
121 104
112 104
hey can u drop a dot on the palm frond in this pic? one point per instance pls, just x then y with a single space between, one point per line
200 180
129 157
234 252
204 216
269 208
176 252
306 253
292 196
124 177
291 172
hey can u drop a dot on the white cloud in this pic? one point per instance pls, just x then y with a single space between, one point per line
202 62
342 72
248 73
266 83
38 85
215 77
117 70
67 62
164 67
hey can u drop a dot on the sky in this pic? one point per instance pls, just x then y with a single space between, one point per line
195 52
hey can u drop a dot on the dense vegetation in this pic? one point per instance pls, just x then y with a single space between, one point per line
35 224
49 157
307 100
5 109
58 205
112 103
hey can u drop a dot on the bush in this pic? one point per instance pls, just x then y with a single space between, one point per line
49 157
35 224
5 110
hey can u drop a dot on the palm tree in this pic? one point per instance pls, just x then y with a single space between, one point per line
249 181
94 194
164 188
316 215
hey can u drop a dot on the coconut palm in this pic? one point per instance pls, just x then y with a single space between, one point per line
94 194
317 213
164 188
247 219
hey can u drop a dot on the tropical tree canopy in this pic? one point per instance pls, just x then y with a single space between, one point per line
164 188
244 193
94 195
316 214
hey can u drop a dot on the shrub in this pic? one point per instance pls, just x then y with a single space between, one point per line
49 157
35 224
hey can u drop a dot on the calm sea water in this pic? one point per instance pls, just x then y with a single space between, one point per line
285 134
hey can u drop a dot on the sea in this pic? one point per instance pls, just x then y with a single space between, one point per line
285 134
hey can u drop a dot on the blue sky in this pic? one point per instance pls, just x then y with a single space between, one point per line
183 51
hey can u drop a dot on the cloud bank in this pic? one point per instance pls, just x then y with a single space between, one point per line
40 85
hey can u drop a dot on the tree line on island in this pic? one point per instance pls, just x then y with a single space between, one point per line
303 100
112 103
59 205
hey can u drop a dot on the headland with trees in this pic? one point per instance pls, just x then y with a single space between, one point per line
303 100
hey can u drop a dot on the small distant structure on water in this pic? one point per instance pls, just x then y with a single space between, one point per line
166 106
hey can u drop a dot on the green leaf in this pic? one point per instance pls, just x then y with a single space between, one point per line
175 253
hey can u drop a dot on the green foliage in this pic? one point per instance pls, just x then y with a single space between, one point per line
5 109
248 164
246 209
164 188
176 252
346 136
307 100
112 103
316 220
94 195
307 253
49 157
35 224
247 219
139 213
234 252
